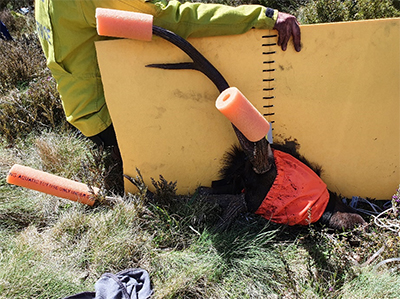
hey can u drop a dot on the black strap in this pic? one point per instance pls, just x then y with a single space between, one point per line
269 12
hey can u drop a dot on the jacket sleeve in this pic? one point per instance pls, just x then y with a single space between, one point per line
201 19
192 19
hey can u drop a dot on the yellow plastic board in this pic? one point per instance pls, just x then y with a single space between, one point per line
339 98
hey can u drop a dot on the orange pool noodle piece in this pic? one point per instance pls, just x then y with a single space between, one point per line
51 184
234 105
125 24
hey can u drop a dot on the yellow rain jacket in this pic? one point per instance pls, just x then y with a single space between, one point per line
67 31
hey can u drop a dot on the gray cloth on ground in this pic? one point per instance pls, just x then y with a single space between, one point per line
127 284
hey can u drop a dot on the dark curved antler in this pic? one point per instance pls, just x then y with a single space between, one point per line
200 63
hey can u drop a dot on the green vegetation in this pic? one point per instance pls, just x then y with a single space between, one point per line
322 11
52 248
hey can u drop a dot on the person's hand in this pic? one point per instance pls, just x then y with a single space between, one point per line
287 26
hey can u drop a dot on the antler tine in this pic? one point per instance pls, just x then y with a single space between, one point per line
200 63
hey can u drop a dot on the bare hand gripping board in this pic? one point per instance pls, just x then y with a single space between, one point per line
339 98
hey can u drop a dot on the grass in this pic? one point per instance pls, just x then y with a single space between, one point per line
52 248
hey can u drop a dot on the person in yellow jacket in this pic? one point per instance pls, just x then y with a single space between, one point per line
67 32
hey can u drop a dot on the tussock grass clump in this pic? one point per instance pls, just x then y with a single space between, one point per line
103 240
69 155
35 109
61 153
370 284
21 61
29 100
19 212
31 268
